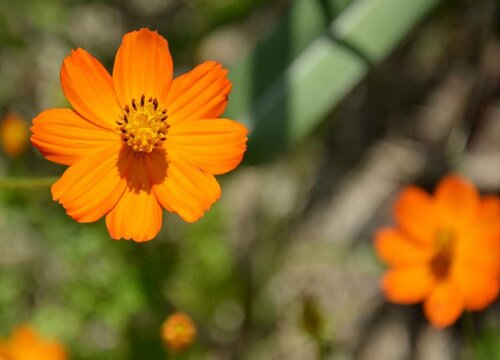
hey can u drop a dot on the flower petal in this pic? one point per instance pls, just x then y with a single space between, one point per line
89 88
65 137
482 253
137 215
92 186
457 200
408 285
479 246
24 343
143 66
216 146
200 93
414 212
180 187
444 305
477 288
398 250
487 224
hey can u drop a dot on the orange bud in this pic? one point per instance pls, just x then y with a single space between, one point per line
14 134
178 331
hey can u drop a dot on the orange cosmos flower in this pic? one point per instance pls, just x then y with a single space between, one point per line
25 344
444 250
178 331
13 134
138 141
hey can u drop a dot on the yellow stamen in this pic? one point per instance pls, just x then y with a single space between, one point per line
143 124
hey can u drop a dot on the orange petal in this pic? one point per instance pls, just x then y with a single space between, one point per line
143 66
137 215
200 93
92 186
482 253
488 215
89 88
444 305
408 285
480 247
181 187
478 288
414 212
216 146
457 200
397 250
65 137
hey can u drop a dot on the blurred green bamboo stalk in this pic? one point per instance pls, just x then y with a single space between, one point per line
304 91
297 29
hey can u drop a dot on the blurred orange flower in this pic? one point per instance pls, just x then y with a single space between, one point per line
24 344
14 134
445 250
178 331
138 141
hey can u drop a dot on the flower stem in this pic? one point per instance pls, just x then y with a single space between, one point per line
26 183
470 336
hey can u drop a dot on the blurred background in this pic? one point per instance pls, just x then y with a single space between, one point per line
347 102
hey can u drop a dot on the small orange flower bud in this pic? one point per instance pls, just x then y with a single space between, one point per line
178 331
14 135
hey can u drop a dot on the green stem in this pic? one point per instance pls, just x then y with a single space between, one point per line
470 333
26 183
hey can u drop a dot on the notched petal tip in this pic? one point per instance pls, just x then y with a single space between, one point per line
64 137
137 215
91 187
143 66
183 189
214 145
199 93
144 30
130 238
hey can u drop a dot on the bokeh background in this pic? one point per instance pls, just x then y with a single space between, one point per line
347 102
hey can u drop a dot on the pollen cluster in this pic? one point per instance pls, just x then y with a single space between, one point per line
143 124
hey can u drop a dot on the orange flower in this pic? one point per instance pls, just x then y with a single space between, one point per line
444 251
178 331
25 344
138 141
13 135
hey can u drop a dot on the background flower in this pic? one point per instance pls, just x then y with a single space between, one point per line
445 250
25 344
14 134
178 331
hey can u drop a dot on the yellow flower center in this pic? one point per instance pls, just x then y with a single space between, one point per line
143 124
442 259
